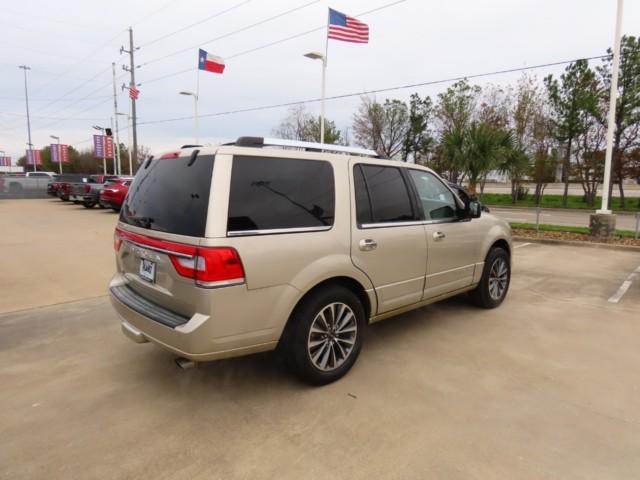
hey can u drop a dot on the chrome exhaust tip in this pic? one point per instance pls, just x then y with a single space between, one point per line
185 363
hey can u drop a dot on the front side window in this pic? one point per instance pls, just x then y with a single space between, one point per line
381 195
437 200
280 193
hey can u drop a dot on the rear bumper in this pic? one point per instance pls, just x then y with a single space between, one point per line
200 337
108 203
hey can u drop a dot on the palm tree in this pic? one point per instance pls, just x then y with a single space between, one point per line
515 164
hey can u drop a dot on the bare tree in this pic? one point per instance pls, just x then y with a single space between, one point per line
381 127
299 124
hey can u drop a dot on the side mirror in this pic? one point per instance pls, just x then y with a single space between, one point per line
474 209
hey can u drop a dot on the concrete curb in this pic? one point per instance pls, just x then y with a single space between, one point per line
573 243
564 210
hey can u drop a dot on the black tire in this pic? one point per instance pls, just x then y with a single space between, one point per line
297 339
88 204
484 295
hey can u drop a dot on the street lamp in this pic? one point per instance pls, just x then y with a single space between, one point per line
59 155
104 159
320 56
128 139
195 98
26 100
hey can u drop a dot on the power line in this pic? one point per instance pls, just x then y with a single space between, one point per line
297 35
276 42
81 61
379 90
186 27
102 102
243 29
148 15
22 115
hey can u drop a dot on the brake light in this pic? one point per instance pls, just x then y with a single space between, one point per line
117 240
170 155
209 266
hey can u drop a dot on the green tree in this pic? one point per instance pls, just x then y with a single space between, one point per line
572 99
455 109
477 150
626 136
486 148
419 140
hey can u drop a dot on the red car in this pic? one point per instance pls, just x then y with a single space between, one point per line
112 195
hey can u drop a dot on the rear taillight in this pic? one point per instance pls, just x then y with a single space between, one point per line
87 188
117 240
210 267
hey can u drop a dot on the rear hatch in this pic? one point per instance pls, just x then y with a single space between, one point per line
162 221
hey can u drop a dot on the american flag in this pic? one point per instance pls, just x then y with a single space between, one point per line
346 28
133 92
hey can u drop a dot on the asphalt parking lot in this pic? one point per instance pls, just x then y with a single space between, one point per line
546 386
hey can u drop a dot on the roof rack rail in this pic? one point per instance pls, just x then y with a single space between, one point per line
259 142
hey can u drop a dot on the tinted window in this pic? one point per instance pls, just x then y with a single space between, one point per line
269 193
436 199
363 204
388 194
169 195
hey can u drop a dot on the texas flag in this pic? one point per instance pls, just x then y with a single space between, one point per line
209 62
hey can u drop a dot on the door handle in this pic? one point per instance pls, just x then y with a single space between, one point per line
368 244
438 235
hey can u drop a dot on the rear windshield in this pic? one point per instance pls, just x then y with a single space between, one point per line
169 195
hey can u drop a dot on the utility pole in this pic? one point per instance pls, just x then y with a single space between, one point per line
117 163
132 84
26 98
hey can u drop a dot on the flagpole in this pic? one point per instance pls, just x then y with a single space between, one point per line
324 77
196 106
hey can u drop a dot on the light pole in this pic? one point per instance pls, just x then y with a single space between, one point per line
320 56
128 140
104 159
195 102
26 99
603 222
58 152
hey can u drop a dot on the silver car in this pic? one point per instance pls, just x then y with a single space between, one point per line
263 244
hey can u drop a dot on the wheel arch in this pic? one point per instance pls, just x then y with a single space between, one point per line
347 282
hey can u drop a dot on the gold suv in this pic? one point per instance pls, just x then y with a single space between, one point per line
263 244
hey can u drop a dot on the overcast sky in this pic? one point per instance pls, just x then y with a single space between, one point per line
70 45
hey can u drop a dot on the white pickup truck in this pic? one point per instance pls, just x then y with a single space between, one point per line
27 183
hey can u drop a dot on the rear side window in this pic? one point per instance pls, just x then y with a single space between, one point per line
276 193
169 195
387 195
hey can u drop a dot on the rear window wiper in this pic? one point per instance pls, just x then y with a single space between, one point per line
144 222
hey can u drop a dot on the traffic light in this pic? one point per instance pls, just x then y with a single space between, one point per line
108 132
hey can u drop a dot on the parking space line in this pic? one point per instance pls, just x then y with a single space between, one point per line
522 245
615 298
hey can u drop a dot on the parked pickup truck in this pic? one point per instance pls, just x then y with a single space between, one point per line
26 183
76 190
89 193
54 184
